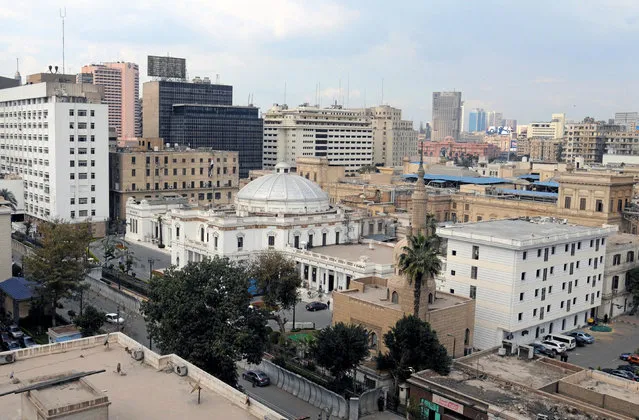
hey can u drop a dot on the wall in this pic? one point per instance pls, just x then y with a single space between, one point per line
454 320
128 302
5 243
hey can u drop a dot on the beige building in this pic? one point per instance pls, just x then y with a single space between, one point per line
393 138
584 140
622 143
622 255
203 176
539 149
554 129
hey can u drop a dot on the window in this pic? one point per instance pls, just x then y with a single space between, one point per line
616 259
296 241
70 113
452 272
72 200
473 292
599 206
324 239
240 243
473 272
552 250
539 253
567 202
520 316
582 204
615 282
215 239
523 256
521 296
536 292
549 289
394 297
454 252
630 256
535 312
271 240
523 276
132 172
475 255
538 273
337 237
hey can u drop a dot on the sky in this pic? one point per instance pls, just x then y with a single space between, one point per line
526 59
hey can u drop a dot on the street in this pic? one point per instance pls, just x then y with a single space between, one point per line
321 319
141 255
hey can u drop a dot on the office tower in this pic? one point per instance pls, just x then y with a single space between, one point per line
494 119
393 138
446 115
512 124
121 83
477 120
343 136
629 120
54 135
201 114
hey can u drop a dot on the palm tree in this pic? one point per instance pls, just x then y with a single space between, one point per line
8 196
418 260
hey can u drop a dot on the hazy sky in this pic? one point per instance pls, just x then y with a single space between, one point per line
526 59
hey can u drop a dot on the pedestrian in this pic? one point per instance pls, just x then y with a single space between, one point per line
328 305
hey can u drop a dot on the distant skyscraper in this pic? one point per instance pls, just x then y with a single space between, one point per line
494 119
477 120
121 83
512 124
447 118
629 120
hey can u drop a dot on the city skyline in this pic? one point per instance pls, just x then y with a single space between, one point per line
254 46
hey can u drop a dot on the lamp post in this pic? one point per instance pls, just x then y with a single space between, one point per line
454 342
151 261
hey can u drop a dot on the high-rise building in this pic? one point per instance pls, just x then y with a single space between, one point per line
393 138
494 119
587 140
512 124
629 120
343 136
121 83
201 114
446 115
55 135
554 129
477 120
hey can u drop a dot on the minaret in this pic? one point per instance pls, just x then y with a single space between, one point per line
418 216
17 76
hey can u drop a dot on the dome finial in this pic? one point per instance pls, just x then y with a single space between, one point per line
282 168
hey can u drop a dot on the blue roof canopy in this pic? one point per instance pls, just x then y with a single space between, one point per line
459 179
531 177
550 184
18 288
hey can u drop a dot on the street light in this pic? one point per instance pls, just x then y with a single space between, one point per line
454 342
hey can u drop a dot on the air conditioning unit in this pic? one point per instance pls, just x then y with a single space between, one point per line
181 370
7 358
137 354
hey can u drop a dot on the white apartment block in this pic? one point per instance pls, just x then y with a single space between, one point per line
344 137
393 138
55 136
622 255
529 278
554 129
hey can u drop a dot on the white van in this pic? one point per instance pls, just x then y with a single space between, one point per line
569 342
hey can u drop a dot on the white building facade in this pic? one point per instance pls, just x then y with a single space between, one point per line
56 139
280 211
622 255
529 278
343 136
393 138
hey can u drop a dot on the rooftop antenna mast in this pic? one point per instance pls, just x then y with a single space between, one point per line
382 91
284 92
63 14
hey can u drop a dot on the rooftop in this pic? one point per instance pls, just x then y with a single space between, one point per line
380 254
18 288
460 179
521 232
129 391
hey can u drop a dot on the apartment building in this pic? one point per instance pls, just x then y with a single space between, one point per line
586 139
343 136
624 143
629 120
528 277
152 170
55 136
393 138
622 255
540 149
553 129
121 83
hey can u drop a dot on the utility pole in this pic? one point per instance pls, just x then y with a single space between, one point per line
63 14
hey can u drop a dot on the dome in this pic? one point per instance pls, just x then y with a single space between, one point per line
282 192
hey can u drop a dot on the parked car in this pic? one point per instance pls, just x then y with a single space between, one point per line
114 319
316 306
568 341
29 342
4 337
554 346
15 331
583 336
257 377
542 350
13 345
607 370
633 359
625 374
625 356
629 368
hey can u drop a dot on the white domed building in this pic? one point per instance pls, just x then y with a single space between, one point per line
281 211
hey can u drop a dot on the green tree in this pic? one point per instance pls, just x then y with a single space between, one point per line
90 321
418 260
279 278
10 198
340 348
202 314
413 346
367 169
633 286
60 265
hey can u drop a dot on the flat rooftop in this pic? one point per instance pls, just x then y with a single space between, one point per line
142 392
521 232
380 254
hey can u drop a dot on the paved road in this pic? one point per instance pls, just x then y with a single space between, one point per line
141 255
279 400
320 318
605 351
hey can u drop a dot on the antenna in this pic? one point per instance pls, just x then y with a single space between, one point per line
382 91
339 92
348 89
63 14
319 95
285 92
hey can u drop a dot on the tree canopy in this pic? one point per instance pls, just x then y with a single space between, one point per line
9 197
420 259
633 286
413 346
340 348
60 265
90 321
279 279
202 314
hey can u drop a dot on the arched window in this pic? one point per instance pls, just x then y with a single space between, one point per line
395 297
177 261
430 298
201 233
630 257
467 337
372 340
177 231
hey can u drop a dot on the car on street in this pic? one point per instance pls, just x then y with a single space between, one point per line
607 370
316 306
15 331
625 356
29 342
256 377
4 337
633 359
554 346
583 337
625 374
114 319
542 350
629 368
12 345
